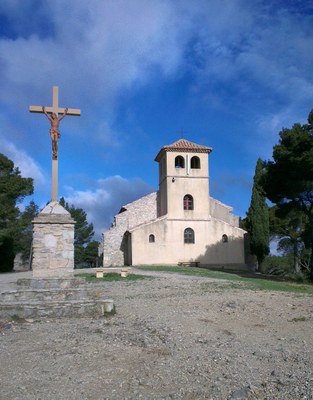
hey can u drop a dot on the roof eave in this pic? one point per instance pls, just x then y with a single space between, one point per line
166 149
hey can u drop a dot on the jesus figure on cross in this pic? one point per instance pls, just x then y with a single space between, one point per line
52 113
54 130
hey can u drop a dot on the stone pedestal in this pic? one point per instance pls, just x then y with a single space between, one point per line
53 243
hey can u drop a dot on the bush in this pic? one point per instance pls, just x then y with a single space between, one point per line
277 265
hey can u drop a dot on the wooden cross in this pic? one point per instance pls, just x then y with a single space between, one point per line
55 109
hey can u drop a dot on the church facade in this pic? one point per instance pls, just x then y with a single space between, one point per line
180 223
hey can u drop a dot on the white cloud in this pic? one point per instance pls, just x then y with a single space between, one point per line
106 135
253 48
96 51
272 124
268 127
93 53
93 50
26 164
109 195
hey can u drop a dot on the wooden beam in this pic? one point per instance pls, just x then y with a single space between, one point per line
50 110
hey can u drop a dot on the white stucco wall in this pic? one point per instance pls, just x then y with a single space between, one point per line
223 212
169 246
175 183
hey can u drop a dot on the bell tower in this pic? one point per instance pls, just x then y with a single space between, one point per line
184 180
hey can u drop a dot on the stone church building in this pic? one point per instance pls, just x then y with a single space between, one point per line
179 223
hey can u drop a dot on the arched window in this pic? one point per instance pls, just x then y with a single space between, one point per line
224 238
151 238
189 235
179 162
188 202
195 162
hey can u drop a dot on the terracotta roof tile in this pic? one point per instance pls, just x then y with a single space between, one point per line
183 145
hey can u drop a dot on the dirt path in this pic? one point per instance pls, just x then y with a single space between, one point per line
173 337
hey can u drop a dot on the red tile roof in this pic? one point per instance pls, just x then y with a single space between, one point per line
183 145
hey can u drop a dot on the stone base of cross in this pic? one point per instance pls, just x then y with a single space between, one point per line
54 110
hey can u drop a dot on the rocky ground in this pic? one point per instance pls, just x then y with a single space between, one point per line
172 337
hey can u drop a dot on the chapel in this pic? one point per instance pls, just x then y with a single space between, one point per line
180 223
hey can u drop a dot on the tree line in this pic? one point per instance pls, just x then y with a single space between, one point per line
287 182
16 225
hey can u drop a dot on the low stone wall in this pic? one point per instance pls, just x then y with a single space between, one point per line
54 298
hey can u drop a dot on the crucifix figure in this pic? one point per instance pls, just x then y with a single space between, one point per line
54 131
54 119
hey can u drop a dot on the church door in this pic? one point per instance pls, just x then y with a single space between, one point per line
127 248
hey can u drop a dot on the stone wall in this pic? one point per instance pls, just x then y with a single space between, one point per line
21 264
135 213
140 211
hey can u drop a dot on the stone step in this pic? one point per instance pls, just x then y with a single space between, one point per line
54 309
51 294
51 283
54 298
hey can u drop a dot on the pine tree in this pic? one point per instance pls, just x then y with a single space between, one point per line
13 189
24 240
83 230
288 179
258 217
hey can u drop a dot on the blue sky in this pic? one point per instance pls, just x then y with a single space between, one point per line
223 73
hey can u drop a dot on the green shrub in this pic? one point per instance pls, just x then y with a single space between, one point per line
277 265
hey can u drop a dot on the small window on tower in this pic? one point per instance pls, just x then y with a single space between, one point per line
195 162
188 202
151 238
224 238
179 162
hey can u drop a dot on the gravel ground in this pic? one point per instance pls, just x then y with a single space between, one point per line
173 337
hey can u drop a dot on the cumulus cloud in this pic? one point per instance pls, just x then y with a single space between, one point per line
27 165
113 44
105 201
256 50
95 52
103 48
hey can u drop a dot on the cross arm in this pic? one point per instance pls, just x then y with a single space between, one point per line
50 110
